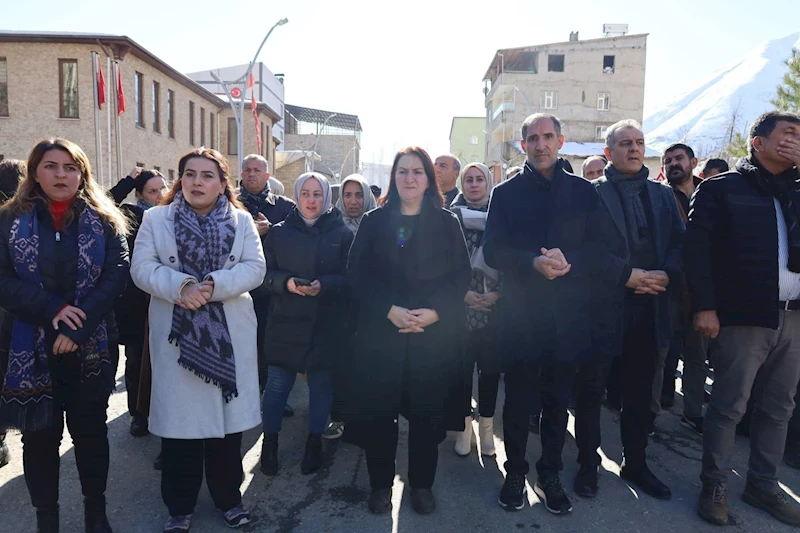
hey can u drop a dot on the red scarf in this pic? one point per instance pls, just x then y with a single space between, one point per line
58 209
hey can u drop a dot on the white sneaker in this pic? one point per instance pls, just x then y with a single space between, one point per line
464 439
486 436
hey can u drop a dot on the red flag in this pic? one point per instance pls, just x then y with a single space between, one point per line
251 81
120 94
101 84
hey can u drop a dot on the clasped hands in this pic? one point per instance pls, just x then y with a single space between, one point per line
481 302
552 264
196 295
304 290
412 320
648 281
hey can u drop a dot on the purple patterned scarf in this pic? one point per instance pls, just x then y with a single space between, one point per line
26 400
204 243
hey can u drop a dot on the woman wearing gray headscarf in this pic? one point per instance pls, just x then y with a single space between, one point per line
472 207
355 200
306 264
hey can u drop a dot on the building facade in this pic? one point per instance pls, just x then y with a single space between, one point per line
468 139
47 89
588 84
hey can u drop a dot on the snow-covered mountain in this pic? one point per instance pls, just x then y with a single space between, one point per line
737 93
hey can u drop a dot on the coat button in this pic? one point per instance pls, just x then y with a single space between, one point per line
172 259
232 258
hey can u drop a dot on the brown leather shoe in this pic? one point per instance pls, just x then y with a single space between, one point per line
713 503
774 502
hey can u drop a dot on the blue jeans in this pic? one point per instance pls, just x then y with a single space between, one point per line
279 384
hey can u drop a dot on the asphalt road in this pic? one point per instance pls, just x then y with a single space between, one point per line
334 499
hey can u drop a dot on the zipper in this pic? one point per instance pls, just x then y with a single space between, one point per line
58 236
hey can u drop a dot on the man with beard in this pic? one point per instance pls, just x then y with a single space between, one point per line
742 256
447 168
678 164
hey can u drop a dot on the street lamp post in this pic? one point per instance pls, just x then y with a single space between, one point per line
319 132
238 114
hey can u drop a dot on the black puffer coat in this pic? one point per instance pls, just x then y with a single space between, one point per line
58 268
304 333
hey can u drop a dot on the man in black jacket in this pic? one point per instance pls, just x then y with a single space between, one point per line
267 209
545 233
742 259
633 318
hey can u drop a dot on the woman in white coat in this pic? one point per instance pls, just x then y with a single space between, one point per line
198 256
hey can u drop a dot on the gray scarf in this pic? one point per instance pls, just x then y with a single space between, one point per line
630 189
369 202
204 243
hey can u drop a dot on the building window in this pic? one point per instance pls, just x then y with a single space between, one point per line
171 113
140 164
213 129
600 133
156 107
473 139
549 99
191 123
608 64
138 95
233 137
202 126
555 62
602 102
3 88
171 175
68 82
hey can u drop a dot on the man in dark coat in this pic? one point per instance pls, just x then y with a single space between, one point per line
267 209
742 259
447 168
633 316
545 233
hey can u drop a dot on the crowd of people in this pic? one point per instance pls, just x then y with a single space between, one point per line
578 290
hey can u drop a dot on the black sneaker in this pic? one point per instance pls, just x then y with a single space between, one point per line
512 495
695 424
533 423
551 493
422 501
238 516
380 501
646 480
586 482
139 426
775 503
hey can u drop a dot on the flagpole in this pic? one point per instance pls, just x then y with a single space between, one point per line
118 125
97 141
112 103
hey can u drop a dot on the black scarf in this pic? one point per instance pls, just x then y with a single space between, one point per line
204 243
630 193
786 189
255 200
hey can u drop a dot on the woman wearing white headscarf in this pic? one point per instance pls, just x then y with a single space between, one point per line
355 200
472 207
306 264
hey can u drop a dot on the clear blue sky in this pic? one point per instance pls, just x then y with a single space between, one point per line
408 68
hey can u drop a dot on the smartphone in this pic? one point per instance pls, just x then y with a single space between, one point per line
302 282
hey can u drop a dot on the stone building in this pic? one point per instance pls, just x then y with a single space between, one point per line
47 90
588 84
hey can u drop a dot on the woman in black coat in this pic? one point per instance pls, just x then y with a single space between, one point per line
409 271
131 308
306 264
63 263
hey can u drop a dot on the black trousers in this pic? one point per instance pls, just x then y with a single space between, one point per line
182 475
481 344
381 450
133 372
637 370
591 383
86 421
555 385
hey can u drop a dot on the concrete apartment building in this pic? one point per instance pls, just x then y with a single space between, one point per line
337 137
588 84
47 90
468 139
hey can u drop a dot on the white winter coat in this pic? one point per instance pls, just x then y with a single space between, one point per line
182 405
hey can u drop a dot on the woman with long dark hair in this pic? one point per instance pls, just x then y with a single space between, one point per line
63 262
198 256
472 206
409 270
306 264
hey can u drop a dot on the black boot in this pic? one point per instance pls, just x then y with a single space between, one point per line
94 512
269 454
47 520
312 460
